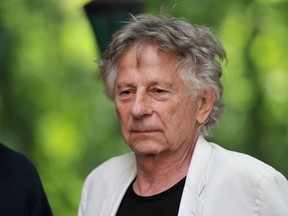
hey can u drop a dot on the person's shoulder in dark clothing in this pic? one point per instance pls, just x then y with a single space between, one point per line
21 190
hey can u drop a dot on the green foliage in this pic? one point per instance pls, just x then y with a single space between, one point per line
53 110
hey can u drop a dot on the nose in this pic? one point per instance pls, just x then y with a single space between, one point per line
141 106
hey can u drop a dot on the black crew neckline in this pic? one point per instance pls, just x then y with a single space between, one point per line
146 199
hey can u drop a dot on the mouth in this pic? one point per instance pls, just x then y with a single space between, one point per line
145 131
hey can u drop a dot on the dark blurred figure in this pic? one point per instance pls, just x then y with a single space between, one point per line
21 190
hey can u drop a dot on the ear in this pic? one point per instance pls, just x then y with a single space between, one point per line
205 104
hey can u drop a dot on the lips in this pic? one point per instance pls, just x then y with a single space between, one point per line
144 130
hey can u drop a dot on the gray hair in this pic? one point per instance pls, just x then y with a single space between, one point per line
199 50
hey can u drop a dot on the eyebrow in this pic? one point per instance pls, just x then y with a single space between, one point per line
124 84
152 83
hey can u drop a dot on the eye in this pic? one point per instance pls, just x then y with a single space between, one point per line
125 93
159 91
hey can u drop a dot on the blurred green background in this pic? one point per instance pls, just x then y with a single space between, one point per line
51 104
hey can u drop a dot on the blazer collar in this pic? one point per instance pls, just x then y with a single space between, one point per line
120 187
191 201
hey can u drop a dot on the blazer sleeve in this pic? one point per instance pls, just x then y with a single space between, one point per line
272 195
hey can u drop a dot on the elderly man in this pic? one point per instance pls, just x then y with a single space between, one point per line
163 75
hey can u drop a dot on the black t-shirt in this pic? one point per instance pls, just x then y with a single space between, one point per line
21 190
162 204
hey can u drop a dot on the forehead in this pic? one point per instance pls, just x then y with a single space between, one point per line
143 55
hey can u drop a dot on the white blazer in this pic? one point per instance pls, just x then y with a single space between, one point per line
219 183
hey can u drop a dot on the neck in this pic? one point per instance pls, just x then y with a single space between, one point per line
157 173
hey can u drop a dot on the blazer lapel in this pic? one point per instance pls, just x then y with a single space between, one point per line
120 186
191 201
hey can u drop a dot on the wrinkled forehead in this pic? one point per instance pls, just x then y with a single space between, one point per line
144 46
143 54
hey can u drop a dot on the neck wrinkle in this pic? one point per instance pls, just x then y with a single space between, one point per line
156 173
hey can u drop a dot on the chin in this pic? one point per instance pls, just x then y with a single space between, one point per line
147 149
146 153
147 145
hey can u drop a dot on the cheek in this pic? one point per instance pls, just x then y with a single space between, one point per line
120 112
183 109
185 116
123 116
117 112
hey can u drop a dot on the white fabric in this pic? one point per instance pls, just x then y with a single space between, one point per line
219 182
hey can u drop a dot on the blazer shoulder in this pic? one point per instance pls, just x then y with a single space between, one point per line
260 185
237 163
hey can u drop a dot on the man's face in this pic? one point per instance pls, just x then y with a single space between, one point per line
154 109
